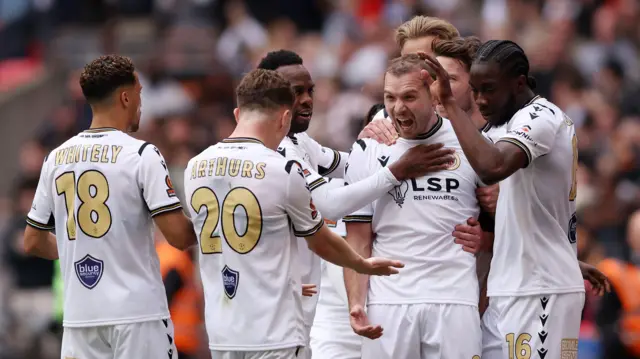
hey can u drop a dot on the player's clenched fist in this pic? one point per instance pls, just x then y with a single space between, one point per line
360 323
422 159
379 266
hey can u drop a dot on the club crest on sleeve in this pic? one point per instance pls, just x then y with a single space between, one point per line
171 192
230 280
89 271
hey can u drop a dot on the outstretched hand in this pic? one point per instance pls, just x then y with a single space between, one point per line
440 87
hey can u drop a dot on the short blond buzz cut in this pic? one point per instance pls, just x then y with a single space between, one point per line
422 26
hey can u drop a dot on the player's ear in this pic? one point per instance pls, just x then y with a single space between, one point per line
285 118
124 99
236 114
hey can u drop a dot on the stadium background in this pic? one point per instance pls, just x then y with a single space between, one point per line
584 54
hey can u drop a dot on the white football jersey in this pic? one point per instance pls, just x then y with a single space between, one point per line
316 161
101 189
248 204
415 221
332 299
535 230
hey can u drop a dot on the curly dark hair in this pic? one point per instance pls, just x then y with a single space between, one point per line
264 90
102 76
275 59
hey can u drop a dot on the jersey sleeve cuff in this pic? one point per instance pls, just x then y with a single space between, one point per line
390 177
523 147
309 232
358 218
332 167
39 225
166 208
317 183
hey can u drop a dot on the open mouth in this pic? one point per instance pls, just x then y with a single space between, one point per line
404 124
305 115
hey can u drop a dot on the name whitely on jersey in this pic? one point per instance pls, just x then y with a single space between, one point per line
100 190
248 204
535 249
414 222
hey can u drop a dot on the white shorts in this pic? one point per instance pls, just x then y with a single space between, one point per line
532 326
152 339
332 340
424 331
288 353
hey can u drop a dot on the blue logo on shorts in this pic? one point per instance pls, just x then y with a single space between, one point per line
89 271
230 279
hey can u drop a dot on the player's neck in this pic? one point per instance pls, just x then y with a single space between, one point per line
107 120
259 131
476 118
525 97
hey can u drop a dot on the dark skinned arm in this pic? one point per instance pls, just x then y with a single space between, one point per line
492 162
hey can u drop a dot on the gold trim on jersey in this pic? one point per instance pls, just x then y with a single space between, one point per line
317 183
357 218
39 225
242 140
519 144
167 208
432 131
334 164
100 129
309 232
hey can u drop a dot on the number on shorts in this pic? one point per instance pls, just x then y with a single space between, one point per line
210 242
519 347
92 190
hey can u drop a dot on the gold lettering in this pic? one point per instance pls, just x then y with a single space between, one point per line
78 151
201 168
221 168
247 166
234 167
70 155
115 152
194 168
95 153
60 156
105 150
85 153
260 168
212 163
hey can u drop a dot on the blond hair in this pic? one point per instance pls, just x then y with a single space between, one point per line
421 26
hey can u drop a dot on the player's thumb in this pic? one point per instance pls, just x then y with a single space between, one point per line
473 222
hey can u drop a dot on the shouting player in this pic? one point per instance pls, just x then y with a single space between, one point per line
249 204
100 190
535 283
331 198
435 298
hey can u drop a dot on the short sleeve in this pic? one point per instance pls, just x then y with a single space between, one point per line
329 161
533 130
357 169
312 177
305 218
155 182
41 214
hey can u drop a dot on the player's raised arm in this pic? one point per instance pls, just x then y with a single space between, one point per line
334 202
308 223
38 240
162 201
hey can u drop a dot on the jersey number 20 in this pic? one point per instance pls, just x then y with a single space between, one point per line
210 241
92 189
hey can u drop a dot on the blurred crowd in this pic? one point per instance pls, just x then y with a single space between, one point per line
583 53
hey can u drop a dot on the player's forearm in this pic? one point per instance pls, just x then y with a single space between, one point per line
176 228
485 158
333 248
334 203
40 243
357 284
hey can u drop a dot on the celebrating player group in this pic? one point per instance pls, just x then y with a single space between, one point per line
448 231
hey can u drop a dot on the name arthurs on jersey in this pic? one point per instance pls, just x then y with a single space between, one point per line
228 166
87 153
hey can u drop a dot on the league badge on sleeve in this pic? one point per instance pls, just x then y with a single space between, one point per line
171 192
89 271
230 280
